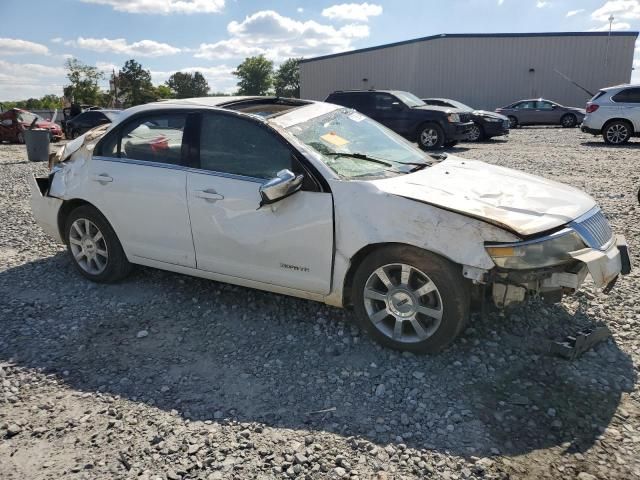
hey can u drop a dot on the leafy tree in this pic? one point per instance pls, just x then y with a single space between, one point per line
48 102
256 76
135 84
287 79
83 82
188 85
163 91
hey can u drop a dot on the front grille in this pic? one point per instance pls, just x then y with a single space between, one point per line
465 117
594 230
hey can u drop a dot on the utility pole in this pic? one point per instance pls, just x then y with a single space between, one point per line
606 53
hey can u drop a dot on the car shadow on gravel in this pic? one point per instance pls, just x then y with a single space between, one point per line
211 351
602 144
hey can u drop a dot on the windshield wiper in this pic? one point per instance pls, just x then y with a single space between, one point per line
378 160
359 156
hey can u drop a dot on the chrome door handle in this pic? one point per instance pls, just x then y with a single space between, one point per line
102 178
209 195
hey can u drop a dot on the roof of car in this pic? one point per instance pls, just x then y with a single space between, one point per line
247 105
623 85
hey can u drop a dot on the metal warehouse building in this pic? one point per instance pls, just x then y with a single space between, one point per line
482 70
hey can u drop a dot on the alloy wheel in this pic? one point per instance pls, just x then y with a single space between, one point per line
429 137
568 121
403 303
474 133
617 133
88 246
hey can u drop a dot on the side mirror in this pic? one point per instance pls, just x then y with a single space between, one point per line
285 183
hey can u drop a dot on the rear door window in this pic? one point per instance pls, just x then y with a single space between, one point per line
629 95
152 138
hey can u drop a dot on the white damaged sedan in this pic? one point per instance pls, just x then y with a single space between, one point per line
318 201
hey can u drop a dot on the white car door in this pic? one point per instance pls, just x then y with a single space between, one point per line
137 181
289 243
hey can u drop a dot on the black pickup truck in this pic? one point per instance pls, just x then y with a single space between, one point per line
404 113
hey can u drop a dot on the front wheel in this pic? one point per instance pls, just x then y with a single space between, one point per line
20 138
475 133
617 132
431 137
568 121
513 122
94 247
410 299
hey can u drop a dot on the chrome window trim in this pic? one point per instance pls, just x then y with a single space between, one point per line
184 168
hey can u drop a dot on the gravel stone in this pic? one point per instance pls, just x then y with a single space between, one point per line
217 389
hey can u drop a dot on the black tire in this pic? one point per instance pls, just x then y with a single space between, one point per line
513 122
617 132
75 134
452 297
430 136
476 133
117 266
568 120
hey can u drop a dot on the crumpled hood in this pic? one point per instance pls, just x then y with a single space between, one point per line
523 203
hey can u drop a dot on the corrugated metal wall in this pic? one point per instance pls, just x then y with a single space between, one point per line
484 72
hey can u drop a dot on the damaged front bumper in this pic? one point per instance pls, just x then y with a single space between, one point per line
604 267
45 208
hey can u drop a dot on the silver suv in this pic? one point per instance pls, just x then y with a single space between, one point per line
614 113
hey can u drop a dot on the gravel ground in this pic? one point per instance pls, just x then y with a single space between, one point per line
170 377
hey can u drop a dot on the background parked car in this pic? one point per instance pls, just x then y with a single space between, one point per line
15 121
74 110
542 112
404 113
614 112
88 120
485 124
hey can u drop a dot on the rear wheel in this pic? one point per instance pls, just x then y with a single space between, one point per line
410 299
75 134
475 133
617 132
569 120
430 136
513 121
20 137
94 247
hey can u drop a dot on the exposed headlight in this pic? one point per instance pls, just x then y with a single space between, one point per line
545 252
453 117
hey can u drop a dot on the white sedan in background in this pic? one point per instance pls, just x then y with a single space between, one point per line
318 201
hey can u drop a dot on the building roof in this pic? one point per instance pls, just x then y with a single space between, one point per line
476 35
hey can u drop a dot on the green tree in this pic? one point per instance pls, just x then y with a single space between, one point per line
163 91
135 84
287 79
83 82
256 76
188 85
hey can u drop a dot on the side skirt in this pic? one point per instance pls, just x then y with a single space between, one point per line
194 272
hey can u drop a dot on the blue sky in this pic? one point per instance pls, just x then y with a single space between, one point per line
213 36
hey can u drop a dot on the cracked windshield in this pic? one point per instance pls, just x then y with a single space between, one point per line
354 146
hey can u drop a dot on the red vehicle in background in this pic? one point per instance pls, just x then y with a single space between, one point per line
15 121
